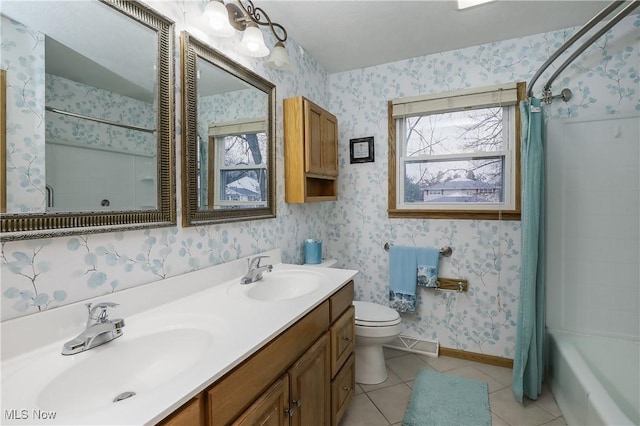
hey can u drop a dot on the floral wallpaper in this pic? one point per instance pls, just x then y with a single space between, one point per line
79 98
604 80
44 274
23 59
230 106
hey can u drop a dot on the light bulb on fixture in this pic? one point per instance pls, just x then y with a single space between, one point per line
279 58
216 12
252 43
224 19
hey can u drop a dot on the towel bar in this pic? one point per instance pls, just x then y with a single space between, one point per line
444 251
456 284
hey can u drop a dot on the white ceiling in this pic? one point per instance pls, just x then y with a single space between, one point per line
346 35
92 43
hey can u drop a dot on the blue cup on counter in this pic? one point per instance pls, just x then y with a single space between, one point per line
312 252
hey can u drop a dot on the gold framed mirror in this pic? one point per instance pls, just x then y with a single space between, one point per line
3 144
228 138
99 142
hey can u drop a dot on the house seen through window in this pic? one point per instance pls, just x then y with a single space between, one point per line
455 154
238 174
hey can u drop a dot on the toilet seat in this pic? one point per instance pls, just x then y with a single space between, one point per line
375 315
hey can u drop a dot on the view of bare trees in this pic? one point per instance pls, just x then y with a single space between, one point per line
460 144
246 150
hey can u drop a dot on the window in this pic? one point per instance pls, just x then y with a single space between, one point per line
238 173
455 155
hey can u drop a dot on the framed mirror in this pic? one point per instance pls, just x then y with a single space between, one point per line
227 138
89 118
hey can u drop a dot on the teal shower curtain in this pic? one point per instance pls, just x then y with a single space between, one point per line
528 363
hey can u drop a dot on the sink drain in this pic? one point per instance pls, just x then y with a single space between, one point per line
123 395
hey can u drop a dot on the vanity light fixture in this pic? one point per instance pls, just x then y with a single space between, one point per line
224 19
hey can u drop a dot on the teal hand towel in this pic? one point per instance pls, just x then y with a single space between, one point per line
402 278
427 266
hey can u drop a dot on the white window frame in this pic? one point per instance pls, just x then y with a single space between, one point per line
231 128
505 96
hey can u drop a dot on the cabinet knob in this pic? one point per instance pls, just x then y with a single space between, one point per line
347 338
346 388
296 402
288 412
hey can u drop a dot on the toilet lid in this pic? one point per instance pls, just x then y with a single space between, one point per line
374 315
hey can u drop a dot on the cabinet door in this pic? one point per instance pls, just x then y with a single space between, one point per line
271 409
330 144
313 138
310 386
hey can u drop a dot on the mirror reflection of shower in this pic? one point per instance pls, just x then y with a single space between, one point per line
50 196
94 110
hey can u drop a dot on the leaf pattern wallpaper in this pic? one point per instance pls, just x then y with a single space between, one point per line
23 58
71 96
44 274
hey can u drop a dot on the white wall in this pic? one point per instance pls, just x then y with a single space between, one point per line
593 219
127 181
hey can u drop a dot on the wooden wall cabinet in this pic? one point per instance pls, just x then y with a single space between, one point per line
311 152
303 377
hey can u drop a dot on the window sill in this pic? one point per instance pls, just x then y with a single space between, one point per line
454 214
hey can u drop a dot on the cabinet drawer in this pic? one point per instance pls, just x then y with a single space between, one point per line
342 339
341 300
342 390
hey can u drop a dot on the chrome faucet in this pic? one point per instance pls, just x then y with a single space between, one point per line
99 330
255 270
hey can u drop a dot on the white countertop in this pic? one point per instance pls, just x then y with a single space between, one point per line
208 299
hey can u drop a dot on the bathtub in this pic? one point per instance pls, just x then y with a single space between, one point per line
595 380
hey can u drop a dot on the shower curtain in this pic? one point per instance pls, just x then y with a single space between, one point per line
528 364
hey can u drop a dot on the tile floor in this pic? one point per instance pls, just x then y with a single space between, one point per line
384 404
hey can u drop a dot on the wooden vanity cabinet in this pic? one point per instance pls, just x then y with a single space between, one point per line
271 409
191 413
342 389
342 339
302 394
310 382
233 393
290 381
311 152
342 333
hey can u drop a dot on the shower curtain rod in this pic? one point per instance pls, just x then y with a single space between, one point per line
566 93
99 120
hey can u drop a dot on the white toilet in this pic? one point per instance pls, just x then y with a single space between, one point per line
375 326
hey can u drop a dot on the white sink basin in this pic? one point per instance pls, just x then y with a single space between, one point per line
139 362
139 365
284 284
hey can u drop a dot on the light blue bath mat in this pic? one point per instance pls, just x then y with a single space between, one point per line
442 400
